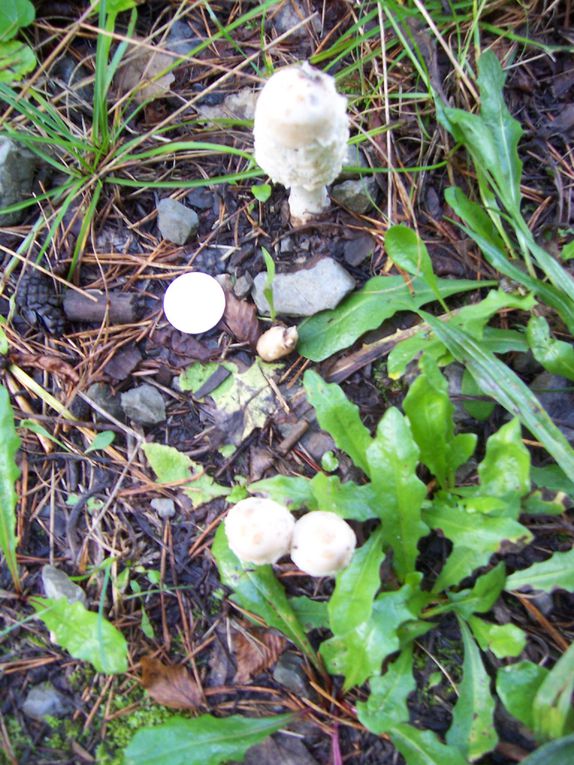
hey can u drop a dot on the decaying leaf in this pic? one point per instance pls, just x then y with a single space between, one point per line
241 319
52 364
170 685
256 651
245 401
139 72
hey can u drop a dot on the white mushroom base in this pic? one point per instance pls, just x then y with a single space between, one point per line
306 203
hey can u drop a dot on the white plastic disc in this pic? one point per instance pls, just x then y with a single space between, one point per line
194 302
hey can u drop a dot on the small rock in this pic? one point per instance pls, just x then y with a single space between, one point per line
144 405
175 221
279 750
555 395
243 286
307 291
286 245
358 249
123 363
45 701
353 158
181 39
17 168
291 14
201 198
359 196
164 507
317 443
101 394
289 672
58 584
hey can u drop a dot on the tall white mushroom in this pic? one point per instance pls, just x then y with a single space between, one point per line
301 130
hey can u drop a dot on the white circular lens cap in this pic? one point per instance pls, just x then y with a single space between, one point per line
194 302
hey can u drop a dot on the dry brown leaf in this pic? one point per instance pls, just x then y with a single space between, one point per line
52 364
255 652
139 73
240 318
170 685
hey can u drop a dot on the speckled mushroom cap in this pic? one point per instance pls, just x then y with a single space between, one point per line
259 530
301 127
323 543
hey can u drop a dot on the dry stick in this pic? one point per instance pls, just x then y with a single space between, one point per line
95 306
543 621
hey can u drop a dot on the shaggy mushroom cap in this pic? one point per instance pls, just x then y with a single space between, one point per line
301 130
259 530
323 543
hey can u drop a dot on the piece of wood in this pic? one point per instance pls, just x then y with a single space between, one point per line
119 307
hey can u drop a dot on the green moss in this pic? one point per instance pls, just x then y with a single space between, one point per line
117 733
122 728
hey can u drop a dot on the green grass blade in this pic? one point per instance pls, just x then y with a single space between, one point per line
9 474
496 379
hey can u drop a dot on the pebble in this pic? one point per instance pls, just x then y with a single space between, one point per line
58 584
307 291
358 249
181 39
175 221
243 286
45 701
554 393
164 507
17 168
290 673
353 158
101 394
359 196
201 198
237 106
144 405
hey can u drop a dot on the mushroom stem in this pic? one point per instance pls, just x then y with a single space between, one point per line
305 203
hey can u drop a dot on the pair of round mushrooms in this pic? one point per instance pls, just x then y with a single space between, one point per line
262 531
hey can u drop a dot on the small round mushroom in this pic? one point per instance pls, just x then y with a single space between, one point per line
259 530
323 543
194 302
277 342
301 130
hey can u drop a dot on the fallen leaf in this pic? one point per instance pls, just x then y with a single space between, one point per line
52 364
244 401
240 317
139 73
170 685
255 652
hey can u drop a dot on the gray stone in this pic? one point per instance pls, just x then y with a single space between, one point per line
290 673
144 405
181 39
307 291
353 158
556 396
45 701
242 286
317 443
175 221
102 396
164 507
359 196
358 249
58 584
17 168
